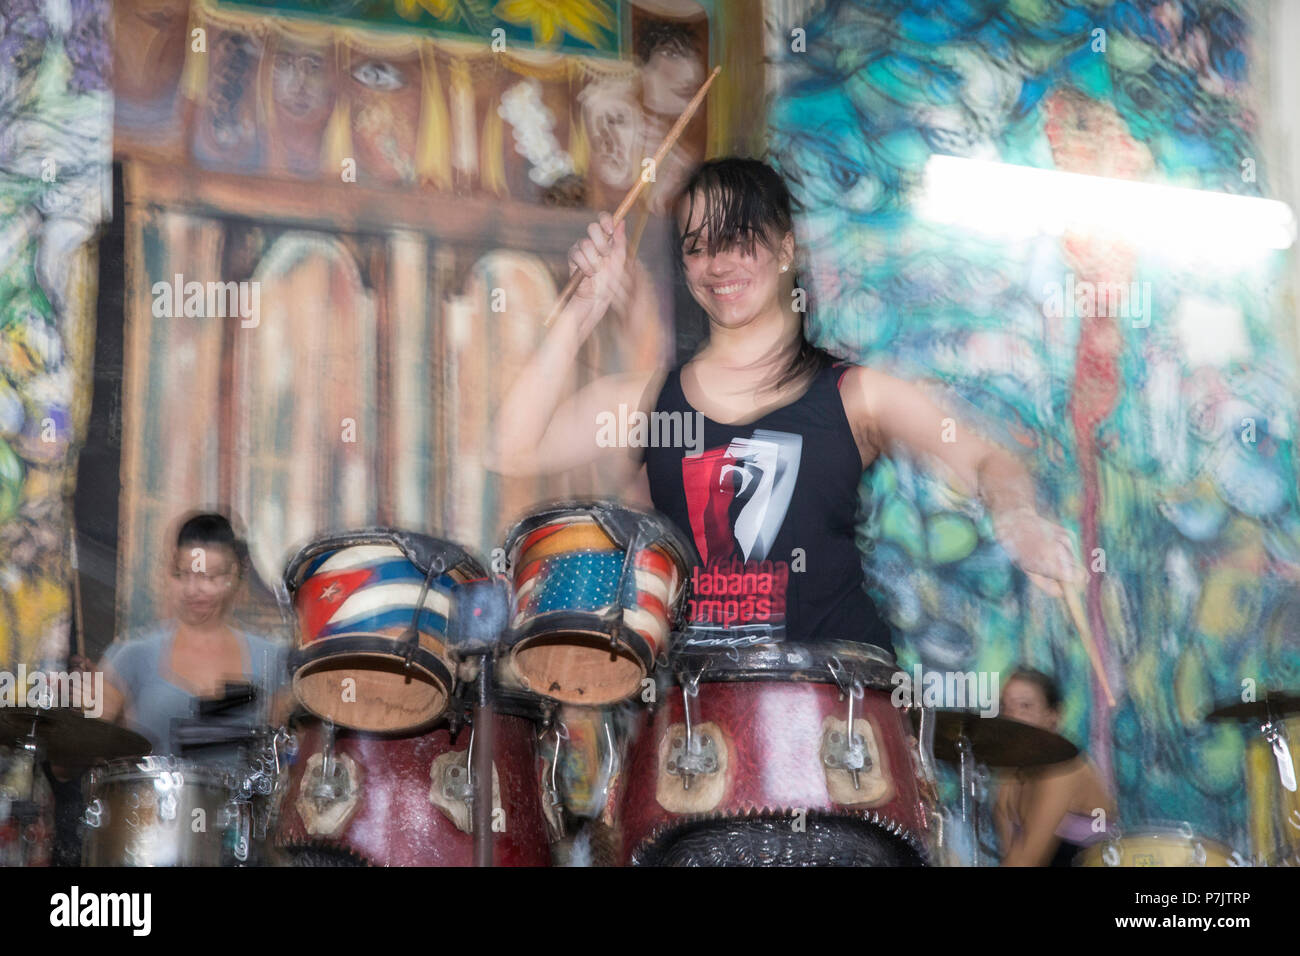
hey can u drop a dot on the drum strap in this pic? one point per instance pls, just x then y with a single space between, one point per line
643 536
436 567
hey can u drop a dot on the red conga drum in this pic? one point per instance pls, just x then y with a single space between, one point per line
366 799
764 769
598 589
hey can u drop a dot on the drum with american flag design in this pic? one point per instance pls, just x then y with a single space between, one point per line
598 590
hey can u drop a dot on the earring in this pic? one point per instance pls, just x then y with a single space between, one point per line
783 268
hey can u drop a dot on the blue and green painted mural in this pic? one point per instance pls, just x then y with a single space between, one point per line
1167 445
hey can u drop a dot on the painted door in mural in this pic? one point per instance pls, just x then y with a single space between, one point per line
362 392
305 399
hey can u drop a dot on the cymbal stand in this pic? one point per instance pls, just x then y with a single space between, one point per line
969 809
1274 730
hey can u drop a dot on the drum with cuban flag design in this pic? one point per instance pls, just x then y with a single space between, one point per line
598 590
364 658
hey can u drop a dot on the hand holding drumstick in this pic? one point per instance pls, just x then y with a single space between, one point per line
641 183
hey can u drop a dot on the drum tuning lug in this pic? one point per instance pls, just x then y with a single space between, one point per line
695 755
241 836
850 752
457 784
94 814
167 808
691 756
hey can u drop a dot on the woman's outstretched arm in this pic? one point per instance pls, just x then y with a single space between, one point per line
890 410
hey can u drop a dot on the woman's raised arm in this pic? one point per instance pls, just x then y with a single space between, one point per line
534 431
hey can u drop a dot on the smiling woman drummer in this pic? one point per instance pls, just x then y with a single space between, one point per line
788 428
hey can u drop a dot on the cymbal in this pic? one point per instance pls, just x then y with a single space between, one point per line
69 737
1270 705
996 741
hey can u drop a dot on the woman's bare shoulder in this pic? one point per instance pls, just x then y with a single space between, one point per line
641 387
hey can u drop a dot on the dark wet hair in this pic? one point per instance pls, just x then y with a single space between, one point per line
1051 692
210 528
745 201
660 33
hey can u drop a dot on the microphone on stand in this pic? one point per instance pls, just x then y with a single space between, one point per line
479 617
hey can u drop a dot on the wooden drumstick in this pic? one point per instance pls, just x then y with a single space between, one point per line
1085 634
669 141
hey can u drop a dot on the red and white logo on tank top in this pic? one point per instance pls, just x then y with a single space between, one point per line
737 497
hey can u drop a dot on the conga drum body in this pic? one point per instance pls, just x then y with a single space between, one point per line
765 772
383 800
355 596
598 589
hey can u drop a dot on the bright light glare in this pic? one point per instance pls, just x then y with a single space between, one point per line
1019 202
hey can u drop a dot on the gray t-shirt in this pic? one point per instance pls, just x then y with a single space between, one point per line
153 702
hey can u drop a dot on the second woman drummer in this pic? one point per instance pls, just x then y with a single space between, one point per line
1046 815
769 492
156 677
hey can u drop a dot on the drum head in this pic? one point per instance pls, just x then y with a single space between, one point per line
372 692
561 646
577 668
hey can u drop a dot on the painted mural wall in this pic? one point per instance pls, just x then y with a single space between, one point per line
400 189
1165 438
55 143
1162 433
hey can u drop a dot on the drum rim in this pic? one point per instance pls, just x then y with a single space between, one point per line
508 701
769 662
1162 830
128 769
553 622
337 540
672 536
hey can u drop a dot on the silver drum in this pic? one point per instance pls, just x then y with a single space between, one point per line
160 811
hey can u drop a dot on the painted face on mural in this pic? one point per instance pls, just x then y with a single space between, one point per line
734 285
670 79
614 123
385 95
1026 702
229 101
300 83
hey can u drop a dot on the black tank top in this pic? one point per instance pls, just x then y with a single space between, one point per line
771 506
